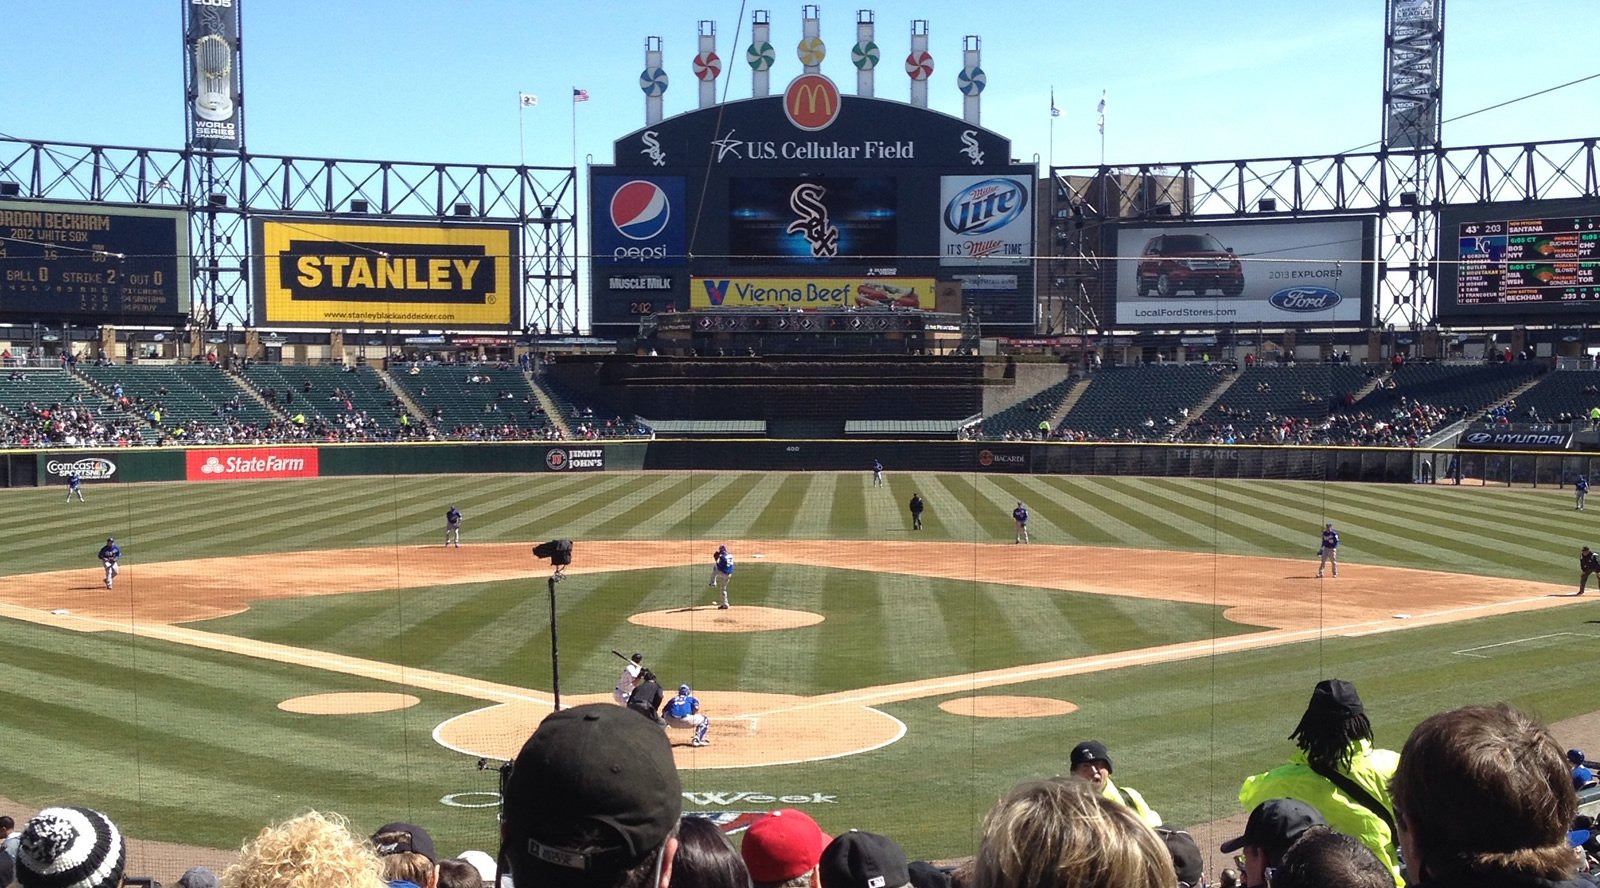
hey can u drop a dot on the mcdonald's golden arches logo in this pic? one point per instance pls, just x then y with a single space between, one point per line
811 102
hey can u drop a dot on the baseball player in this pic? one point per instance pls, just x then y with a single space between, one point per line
1329 550
877 474
75 485
1020 515
628 679
646 698
916 511
683 711
1580 488
109 555
721 573
452 527
1589 563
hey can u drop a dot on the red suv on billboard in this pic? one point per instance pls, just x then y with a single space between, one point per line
1172 263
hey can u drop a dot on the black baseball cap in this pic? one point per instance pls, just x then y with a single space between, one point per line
1275 824
863 860
593 792
1335 697
1091 751
1186 859
421 842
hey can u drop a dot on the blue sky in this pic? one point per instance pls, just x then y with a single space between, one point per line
436 81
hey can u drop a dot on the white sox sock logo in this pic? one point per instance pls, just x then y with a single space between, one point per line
813 225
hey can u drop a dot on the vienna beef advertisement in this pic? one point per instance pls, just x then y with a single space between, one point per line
251 463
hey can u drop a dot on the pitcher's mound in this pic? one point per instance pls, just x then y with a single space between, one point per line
347 704
738 618
1008 707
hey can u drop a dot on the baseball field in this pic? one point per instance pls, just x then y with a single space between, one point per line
276 646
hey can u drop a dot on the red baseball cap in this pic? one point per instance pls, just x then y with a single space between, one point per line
783 844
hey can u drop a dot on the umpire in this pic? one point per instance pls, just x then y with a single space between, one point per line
916 511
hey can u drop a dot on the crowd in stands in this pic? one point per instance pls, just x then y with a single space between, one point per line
1477 796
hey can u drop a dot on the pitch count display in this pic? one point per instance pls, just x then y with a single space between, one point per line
1534 262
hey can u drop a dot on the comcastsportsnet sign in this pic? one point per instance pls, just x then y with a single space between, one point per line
251 464
575 459
87 468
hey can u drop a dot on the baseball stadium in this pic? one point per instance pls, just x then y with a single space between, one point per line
1130 403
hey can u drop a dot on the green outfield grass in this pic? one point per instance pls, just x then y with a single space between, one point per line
187 745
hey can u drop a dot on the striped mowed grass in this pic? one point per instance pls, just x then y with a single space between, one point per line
189 745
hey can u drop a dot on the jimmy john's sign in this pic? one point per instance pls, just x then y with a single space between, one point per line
397 274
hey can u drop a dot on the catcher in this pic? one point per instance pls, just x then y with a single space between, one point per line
1589 563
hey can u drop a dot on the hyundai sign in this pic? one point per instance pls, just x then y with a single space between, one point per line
985 220
639 220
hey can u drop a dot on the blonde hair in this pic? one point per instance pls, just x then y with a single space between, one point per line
313 850
1061 833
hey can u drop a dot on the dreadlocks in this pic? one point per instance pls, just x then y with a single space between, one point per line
1329 740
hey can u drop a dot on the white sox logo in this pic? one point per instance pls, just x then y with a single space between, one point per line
812 222
969 146
652 148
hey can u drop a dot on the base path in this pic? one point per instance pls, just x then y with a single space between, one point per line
758 729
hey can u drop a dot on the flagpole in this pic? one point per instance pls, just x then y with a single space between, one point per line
1102 127
522 150
1052 128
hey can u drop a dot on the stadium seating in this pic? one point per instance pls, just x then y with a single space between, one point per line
1265 399
313 389
184 393
1568 393
48 389
1022 419
1119 400
459 398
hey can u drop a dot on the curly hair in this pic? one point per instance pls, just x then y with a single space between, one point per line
1061 833
313 850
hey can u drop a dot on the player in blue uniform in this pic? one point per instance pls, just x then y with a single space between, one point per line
1020 515
452 527
1329 551
109 555
1580 487
877 474
721 573
683 711
1589 563
75 485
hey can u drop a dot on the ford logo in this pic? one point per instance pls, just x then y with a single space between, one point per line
986 206
1479 438
1305 299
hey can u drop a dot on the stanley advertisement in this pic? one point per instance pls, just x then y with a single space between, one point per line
386 274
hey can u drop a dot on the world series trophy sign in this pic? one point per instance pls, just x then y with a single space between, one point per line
211 29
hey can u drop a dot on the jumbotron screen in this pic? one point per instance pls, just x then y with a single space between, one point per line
1537 259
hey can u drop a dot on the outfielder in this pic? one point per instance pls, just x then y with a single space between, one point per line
1329 551
628 679
74 485
683 711
1589 563
1580 487
109 555
877 474
721 573
452 527
1020 515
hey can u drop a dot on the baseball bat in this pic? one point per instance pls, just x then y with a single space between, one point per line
620 654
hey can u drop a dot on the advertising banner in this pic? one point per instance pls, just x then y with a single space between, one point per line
575 459
812 293
811 219
250 463
985 220
85 259
341 274
1543 437
639 220
90 468
1299 273
211 41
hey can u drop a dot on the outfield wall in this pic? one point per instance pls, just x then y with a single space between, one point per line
247 463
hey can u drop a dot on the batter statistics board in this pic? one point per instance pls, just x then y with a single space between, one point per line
88 260
1519 261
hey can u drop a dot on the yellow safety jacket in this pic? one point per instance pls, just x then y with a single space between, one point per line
1132 799
1369 768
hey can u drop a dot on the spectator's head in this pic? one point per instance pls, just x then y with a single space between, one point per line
1333 723
70 847
482 863
198 877
1322 857
1483 789
1273 826
6 825
407 853
593 801
1188 864
1091 761
457 873
705 858
784 846
1062 833
863 860
312 849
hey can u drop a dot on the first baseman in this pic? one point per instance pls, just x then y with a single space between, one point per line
683 711
452 527
1329 550
628 679
721 573
1588 562
109 555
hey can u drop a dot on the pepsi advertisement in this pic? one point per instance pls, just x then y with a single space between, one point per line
812 219
1289 274
639 221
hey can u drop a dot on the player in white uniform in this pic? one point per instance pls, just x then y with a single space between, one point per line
683 711
628 679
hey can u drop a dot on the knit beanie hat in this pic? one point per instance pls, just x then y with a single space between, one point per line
70 848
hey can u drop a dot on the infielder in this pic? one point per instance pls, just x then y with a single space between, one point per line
109 555
1020 515
721 573
1588 562
1329 550
628 679
75 485
1580 488
683 711
452 527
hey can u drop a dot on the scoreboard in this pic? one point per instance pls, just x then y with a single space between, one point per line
1533 260
92 261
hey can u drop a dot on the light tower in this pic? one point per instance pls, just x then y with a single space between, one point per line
1413 79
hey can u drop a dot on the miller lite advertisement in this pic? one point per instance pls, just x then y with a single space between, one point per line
814 219
985 220
639 220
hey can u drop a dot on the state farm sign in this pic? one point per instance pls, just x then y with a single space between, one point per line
251 463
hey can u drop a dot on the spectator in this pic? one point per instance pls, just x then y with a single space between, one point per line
1091 762
1337 771
593 801
1273 826
705 857
313 849
1187 862
483 864
1322 857
863 860
198 877
70 847
407 854
781 850
9 836
1484 798
1060 833
456 873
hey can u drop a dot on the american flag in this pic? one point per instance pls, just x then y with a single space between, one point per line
580 95
1054 111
